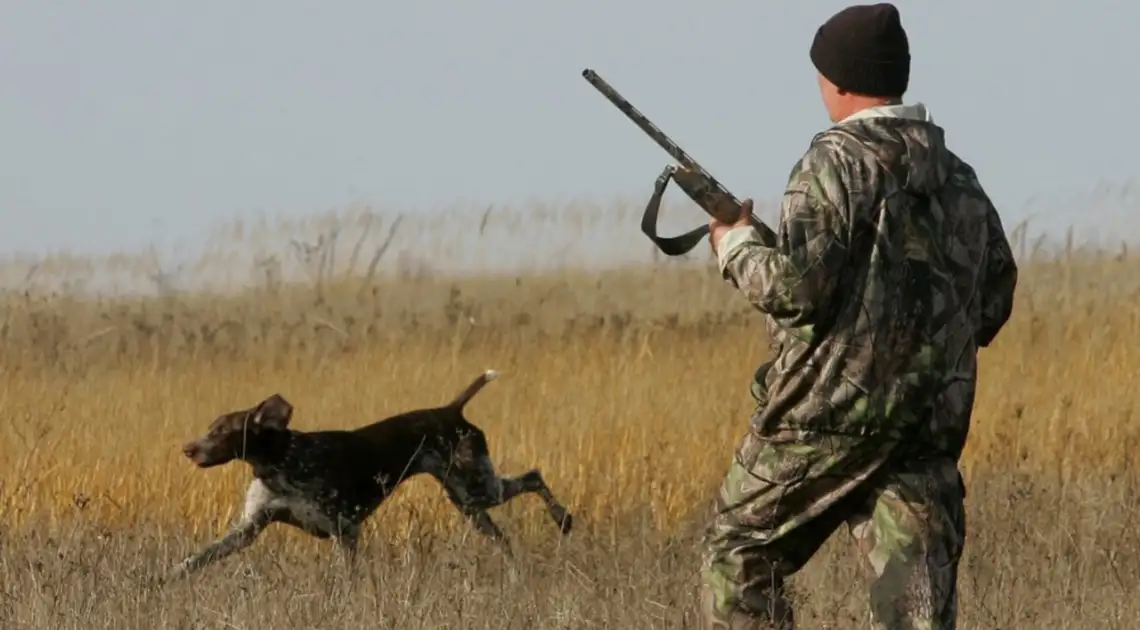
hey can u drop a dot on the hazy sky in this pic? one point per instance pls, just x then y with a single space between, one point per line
124 122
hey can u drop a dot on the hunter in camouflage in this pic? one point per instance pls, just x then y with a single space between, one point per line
891 270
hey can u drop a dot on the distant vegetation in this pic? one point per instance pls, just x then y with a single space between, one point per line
627 387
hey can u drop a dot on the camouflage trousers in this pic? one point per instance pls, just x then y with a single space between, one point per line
780 501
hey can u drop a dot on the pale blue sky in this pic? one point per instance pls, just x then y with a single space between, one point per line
123 122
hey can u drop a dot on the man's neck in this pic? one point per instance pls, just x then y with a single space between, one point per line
867 102
915 111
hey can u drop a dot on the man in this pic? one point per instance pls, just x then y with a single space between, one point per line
891 269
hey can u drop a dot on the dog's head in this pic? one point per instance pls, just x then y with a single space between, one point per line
238 433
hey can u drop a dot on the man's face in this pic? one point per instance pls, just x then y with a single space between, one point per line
830 95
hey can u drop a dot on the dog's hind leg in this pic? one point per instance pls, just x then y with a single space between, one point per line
476 513
488 489
456 484
533 482
476 488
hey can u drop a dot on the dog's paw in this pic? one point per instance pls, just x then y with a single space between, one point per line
564 520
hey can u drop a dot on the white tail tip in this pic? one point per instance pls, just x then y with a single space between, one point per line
490 375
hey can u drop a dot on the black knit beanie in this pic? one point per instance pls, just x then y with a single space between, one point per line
864 49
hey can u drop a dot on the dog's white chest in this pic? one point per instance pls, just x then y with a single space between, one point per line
260 498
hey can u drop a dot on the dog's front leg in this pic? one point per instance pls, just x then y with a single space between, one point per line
240 536
256 515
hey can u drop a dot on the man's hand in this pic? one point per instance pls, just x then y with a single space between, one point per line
718 228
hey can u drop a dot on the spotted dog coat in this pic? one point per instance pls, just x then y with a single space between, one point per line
327 483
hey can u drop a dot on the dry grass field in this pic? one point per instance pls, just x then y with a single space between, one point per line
627 388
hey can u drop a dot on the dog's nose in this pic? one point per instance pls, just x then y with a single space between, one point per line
189 449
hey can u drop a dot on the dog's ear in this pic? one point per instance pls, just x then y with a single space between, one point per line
274 412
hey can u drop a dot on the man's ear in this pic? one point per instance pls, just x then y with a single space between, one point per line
274 412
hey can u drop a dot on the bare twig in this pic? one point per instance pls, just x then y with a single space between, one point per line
380 251
354 257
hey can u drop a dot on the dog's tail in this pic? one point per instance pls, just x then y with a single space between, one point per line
472 389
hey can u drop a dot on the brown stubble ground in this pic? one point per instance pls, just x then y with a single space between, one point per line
629 400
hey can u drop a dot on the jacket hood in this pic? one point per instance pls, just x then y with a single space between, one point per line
907 142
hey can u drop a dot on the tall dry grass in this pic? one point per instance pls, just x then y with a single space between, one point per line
628 389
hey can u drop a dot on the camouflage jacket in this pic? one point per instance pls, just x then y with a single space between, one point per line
891 268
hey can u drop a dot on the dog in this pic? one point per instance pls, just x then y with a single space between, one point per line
327 483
